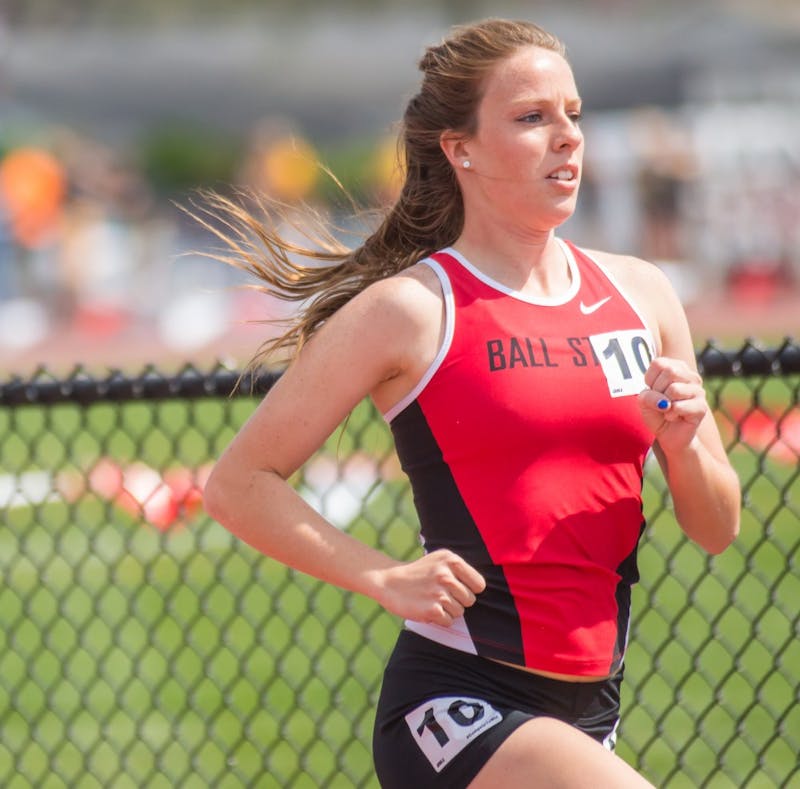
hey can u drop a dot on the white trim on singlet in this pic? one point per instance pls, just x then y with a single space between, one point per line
449 306
449 330
622 292
554 301
456 636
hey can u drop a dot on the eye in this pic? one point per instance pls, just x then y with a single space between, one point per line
531 117
575 117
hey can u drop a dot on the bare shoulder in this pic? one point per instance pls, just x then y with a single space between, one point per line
396 311
404 296
630 271
652 293
398 321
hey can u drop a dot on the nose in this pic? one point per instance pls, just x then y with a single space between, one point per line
569 134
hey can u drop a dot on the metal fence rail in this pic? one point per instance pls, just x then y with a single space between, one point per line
141 645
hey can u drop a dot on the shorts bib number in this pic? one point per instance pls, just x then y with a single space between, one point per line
444 726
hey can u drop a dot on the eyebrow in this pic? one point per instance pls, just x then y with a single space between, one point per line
543 100
532 103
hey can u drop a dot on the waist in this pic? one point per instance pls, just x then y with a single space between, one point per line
557 656
437 638
555 675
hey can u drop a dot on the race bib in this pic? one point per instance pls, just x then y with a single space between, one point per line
624 357
444 726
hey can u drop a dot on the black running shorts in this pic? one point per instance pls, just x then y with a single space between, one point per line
442 712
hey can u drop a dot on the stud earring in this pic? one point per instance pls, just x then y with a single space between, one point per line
466 164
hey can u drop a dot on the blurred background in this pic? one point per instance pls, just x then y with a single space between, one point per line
113 113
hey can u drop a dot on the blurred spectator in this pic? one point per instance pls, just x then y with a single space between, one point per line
32 192
281 162
33 187
102 244
387 169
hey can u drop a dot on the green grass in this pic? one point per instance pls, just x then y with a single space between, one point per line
131 656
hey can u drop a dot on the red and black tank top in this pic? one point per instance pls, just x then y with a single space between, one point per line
525 447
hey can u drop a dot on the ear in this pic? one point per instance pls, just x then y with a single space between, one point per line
455 146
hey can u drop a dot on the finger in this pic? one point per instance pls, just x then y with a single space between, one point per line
655 400
665 399
663 382
452 608
692 409
688 406
439 616
468 575
657 368
663 372
463 595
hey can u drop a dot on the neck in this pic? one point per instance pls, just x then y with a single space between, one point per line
534 265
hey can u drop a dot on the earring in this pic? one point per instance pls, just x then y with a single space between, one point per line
466 164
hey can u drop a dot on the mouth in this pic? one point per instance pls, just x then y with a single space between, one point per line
563 174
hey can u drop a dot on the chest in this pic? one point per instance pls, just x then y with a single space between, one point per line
563 375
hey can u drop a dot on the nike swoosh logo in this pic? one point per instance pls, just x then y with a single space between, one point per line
588 310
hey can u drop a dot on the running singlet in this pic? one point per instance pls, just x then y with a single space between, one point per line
524 447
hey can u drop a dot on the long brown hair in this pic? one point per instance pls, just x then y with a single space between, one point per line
428 214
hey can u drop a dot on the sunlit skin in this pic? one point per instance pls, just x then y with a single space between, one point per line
382 342
525 156
527 129
525 161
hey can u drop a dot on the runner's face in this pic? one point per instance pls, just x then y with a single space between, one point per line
527 151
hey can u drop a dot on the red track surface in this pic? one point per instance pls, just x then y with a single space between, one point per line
727 318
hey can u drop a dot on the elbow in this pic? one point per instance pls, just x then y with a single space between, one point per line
727 519
716 547
232 494
216 495
717 543
732 522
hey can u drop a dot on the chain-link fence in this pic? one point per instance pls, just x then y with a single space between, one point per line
143 646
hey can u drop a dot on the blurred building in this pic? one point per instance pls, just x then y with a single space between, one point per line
692 119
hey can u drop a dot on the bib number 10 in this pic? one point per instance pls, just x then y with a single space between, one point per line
444 726
624 357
